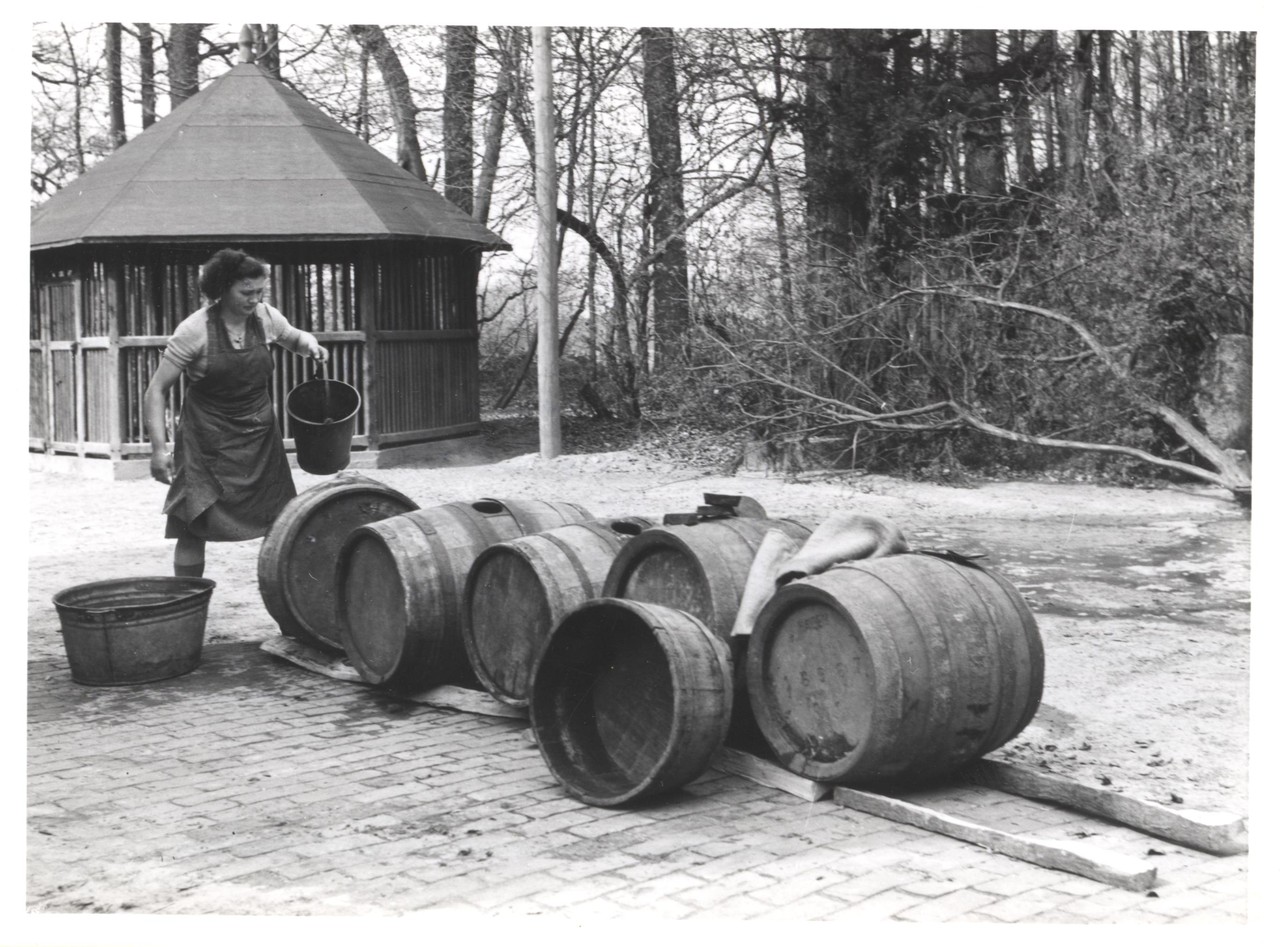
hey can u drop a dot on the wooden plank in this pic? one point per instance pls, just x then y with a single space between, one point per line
1216 832
467 699
337 667
768 773
313 659
430 434
427 335
1078 859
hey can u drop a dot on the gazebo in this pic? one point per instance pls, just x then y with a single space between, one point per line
369 258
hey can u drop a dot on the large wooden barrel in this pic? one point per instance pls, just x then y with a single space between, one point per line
518 590
700 569
296 560
900 668
400 584
629 700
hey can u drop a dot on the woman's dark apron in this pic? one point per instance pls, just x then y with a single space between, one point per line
231 475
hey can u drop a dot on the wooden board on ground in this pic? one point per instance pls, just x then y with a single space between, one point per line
1119 870
313 659
447 696
768 773
452 697
1214 832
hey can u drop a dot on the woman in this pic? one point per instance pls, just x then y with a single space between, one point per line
228 475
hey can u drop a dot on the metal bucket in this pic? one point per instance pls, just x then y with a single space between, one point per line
134 630
322 414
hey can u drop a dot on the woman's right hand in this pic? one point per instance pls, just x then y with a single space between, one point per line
162 466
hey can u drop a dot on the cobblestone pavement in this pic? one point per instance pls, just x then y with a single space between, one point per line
254 783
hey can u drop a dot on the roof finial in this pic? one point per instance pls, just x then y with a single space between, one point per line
246 43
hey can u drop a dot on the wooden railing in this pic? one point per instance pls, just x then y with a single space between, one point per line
98 330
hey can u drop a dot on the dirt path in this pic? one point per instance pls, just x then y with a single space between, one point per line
1142 596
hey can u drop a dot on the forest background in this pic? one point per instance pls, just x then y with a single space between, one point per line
934 252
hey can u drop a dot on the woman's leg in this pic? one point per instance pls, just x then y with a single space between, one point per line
188 557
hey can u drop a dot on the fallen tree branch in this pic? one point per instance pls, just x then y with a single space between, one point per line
836 411
1229 472
986 427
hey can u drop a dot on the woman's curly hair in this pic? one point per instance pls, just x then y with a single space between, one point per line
225 268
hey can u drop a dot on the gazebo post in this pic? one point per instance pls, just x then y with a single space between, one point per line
115 410
46 373
78 366
366 319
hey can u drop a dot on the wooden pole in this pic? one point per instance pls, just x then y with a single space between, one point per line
548 311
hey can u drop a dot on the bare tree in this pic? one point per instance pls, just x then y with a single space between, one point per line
459 98
115 85
146 73
494 127
184 61
408 149
665 207
982 134
1074 115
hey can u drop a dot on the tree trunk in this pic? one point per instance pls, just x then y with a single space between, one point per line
775 186
459 99
1051 110
670 274
1135 88
1245 45
115 85
622 356
78 83
269 58
408 150
1020 112
1104 119
492 147
1073 117
838 137
362 106
982 137
1197 83
146 74
184 62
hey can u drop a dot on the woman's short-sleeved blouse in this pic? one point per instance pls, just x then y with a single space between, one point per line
189 344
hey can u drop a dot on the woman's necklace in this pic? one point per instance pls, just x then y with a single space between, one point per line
236 336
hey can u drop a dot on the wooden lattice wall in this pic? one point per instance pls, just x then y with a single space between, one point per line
399 323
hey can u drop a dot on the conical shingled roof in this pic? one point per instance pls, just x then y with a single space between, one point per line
249 159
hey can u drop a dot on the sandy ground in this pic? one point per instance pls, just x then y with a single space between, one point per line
1142 596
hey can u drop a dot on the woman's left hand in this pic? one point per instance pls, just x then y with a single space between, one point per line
319 354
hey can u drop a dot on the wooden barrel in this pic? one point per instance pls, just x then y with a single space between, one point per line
702 570
699 569
400 584
518 590
900 668
629 700
296 560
